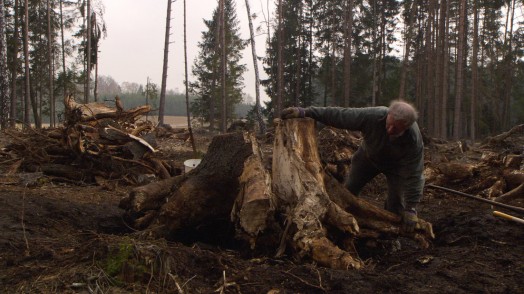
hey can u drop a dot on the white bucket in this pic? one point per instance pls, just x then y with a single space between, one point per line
191 164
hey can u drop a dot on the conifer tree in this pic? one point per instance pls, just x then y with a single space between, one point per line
206 87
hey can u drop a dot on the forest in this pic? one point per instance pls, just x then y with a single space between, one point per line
103 201
459 62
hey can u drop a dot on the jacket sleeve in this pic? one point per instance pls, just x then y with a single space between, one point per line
354 119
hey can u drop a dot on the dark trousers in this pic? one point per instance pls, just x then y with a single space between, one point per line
363 170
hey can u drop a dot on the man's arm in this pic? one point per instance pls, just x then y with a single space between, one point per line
354 119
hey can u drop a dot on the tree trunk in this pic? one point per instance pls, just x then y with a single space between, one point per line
162 102
64 87
277 105
4 84
51 64
223 63
409 26
258 112
459 91
474 73
348 30
27 84
186 82
88 52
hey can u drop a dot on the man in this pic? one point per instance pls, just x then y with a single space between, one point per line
392 145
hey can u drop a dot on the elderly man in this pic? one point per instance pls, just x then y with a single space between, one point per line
392 145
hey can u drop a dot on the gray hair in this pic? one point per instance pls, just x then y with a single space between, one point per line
403 111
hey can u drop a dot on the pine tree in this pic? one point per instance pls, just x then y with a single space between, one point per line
206 67
297 64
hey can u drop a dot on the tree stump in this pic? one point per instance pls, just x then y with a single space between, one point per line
298 203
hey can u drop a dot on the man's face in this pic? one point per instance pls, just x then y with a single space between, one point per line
395 128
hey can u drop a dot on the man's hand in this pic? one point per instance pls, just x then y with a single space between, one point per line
293 112
409 220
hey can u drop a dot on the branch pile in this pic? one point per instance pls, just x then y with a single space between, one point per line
492 168
97 143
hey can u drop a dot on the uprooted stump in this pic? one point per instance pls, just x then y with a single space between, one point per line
299 203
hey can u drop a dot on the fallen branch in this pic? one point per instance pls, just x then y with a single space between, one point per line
514 208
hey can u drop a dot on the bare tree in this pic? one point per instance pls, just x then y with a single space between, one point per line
14 64
4 84
508 66
27 87
277 107
222 31
474 72
186 84
461 47
51 64
63 48
408 33
348 29
88 52
258 112
162 102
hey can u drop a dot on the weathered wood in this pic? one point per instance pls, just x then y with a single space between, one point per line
456 171
210 189
503 136
254 205
78 112
150 196
516 193
299 185
372 220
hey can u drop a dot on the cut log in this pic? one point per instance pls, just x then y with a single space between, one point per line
456 171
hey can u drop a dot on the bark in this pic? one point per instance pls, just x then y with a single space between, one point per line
186 84
348 29
258 112
277 105
4 85
162 102
27 84
461 50
88 51
51 64
210 189
223 63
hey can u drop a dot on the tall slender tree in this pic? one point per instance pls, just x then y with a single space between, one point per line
258 112
459 91
161 107
27 84
4 80
206 68
51 64
186 83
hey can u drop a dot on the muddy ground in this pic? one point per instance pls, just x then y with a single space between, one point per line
64 238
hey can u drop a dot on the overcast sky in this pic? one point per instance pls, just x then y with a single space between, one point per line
134 47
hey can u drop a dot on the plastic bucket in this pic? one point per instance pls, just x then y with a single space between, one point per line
191 164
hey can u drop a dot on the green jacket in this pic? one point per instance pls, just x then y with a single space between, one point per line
402 157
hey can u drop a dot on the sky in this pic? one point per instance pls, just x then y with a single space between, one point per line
134 46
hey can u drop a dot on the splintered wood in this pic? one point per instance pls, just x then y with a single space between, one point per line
295 206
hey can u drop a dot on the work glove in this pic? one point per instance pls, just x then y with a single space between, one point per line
409 220
293 112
